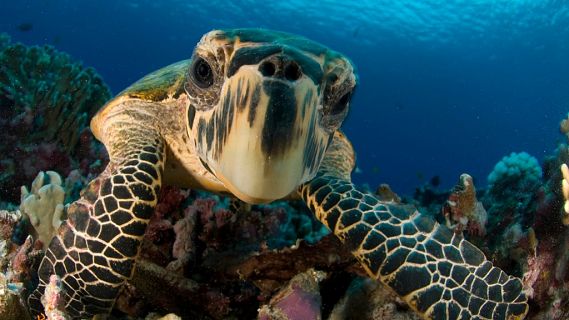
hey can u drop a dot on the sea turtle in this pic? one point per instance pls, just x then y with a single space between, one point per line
256 114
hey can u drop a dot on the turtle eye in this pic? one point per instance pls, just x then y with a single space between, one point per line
202 73
341 104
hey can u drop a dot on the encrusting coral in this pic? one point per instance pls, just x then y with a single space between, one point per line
46 101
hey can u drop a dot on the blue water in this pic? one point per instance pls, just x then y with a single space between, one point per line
446 86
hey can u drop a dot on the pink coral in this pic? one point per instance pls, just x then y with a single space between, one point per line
183 248
159 234
171 199
538 276
53 299
212 219
22 261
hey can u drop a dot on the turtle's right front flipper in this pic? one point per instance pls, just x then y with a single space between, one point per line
438 273
95 249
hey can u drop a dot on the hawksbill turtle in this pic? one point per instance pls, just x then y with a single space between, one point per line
257 114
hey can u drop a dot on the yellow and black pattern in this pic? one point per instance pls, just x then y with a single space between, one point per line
95 250
438 273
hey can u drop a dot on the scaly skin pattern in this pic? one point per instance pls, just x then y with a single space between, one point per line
95 250
438 273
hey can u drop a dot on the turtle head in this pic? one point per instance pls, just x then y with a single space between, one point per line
264 107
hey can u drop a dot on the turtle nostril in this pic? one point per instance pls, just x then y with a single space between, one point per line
292 71
267 69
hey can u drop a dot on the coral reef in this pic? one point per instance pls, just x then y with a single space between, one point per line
192 232
207 256
546 276
46 101
527 231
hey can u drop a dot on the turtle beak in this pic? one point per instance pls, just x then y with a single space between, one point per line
273 142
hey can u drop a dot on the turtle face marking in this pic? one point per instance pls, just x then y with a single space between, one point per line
264 106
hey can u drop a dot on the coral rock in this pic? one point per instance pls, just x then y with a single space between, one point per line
300 299
463 211
385 193
170 316
368 299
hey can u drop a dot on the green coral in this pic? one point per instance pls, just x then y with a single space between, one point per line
61 95
46 101
512 187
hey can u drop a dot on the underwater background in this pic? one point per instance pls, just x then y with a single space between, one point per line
446 87
461 112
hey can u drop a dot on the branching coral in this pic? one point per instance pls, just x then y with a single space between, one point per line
46 100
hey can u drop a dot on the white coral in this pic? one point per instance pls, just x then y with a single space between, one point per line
565 189
43 205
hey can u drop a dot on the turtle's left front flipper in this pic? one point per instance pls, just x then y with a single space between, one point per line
437 272
95 249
